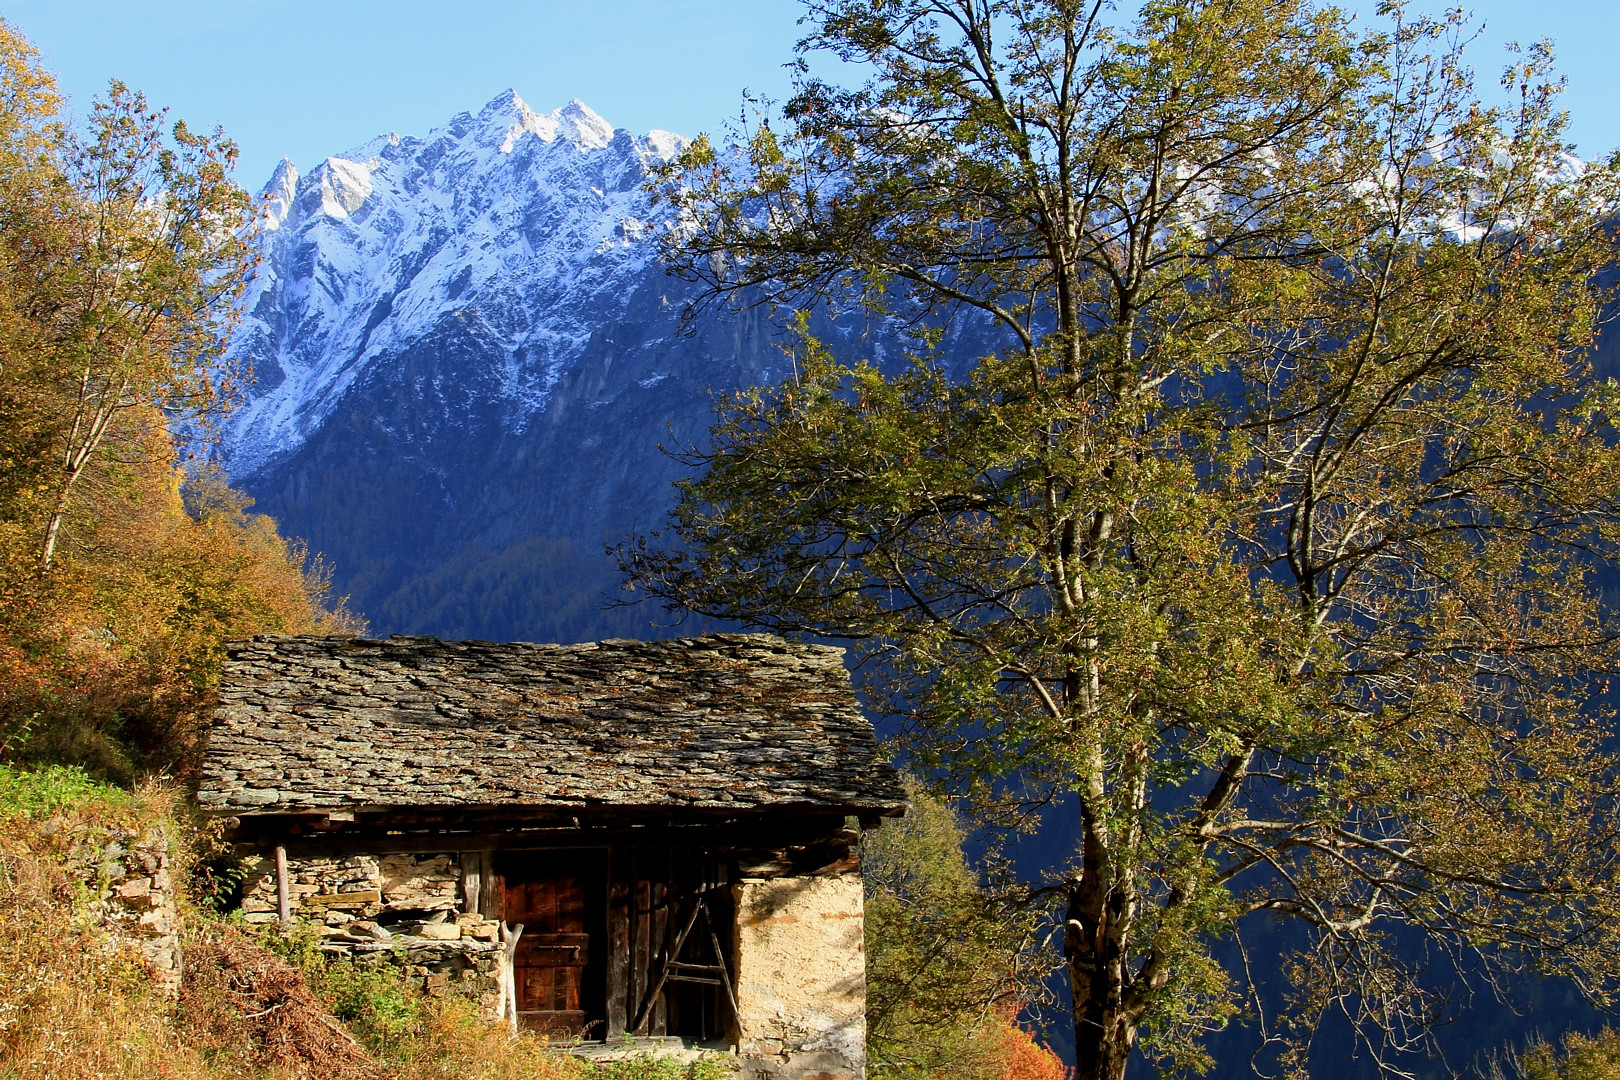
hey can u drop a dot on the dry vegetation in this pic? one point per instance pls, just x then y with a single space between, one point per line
256 1006
74 1008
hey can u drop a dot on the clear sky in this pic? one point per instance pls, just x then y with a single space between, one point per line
309 78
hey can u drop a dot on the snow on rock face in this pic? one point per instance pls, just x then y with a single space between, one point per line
530 226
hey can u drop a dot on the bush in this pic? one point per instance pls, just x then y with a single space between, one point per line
52 789
949 961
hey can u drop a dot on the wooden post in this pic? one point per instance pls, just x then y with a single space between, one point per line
640 936
491 894
618 942
510 935
283 899
472 874
657 1020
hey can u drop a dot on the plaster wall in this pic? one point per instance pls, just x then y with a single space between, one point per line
801 977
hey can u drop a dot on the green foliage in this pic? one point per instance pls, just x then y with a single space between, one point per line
646 1067
376 1000
1268 540
298 944
1579 1057
948 959
52 789
376 1003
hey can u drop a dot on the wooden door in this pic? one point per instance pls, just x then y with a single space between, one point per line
557 969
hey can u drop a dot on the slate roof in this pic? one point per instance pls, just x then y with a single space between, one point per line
724 721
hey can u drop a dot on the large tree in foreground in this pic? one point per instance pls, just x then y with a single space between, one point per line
1263 554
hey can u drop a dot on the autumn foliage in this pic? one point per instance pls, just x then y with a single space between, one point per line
123 570
1023 1058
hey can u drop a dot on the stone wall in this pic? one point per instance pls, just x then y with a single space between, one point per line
390 909
801 976
797 947
129 874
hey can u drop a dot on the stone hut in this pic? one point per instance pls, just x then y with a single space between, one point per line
623 844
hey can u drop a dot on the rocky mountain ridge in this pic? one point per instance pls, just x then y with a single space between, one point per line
516 229
465 359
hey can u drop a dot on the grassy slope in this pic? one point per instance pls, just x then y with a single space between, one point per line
73 1008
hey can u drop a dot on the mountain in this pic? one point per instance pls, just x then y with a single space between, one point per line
465 358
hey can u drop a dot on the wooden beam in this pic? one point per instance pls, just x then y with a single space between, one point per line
491 816
755 835
725 978
283 895
472 881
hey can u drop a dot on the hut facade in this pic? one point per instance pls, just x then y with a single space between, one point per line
622 844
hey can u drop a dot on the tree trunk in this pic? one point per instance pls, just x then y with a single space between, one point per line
53 526
1103 1034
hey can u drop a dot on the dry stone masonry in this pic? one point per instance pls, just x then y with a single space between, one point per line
397 909
129 874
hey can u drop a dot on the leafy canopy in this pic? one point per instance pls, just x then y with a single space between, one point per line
1262 554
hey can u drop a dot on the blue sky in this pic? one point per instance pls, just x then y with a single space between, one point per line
309 78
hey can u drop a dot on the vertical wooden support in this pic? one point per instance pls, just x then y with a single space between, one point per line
618 943
640 933
509 936
283 896
472 881
661 872
492 892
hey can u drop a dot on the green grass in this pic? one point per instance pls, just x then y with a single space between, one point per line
53 789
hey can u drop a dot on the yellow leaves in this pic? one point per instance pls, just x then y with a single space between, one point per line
121 256
116 651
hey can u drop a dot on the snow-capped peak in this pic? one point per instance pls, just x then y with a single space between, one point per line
507 118
579 125
277 195
524 230
345 184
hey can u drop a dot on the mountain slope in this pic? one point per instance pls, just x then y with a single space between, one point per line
465 359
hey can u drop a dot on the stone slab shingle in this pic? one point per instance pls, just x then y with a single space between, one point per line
725 721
